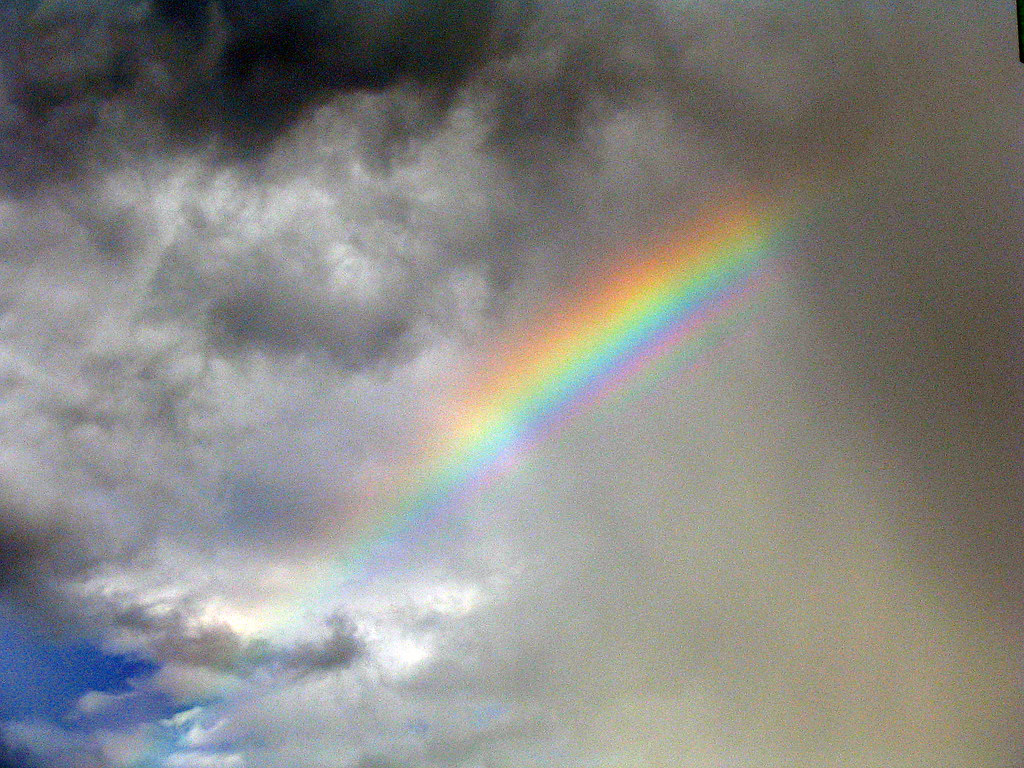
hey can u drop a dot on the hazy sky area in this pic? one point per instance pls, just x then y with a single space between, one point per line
249 249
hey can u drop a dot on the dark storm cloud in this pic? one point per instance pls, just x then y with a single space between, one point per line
83 84
279 57
37 744
44 537
27 524
338 648
84 88
57 76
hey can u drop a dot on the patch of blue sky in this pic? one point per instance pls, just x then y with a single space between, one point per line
43 676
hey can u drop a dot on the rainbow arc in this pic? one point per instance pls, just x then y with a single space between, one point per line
659 311
676 302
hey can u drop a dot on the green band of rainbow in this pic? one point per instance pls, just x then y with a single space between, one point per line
680 300
675 303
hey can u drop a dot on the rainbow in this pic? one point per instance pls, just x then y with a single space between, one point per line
662 308
668 305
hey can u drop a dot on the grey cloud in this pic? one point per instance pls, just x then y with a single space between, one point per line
126 384
177 624
173 635
134 87
339 648
238 71
929 351
286 318
47 537
30 523
194 346
36 744
97 711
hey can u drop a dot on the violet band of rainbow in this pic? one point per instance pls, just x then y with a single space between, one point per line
656 313
678 300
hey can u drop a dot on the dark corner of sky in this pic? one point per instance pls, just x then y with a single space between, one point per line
230 76
271 59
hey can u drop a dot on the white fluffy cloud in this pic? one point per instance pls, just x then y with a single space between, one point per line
224 322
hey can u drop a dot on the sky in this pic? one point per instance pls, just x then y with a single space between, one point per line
375 391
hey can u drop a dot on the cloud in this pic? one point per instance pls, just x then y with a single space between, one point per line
36 743
170 634
244 253
100 78
201 760
41 532
338 649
